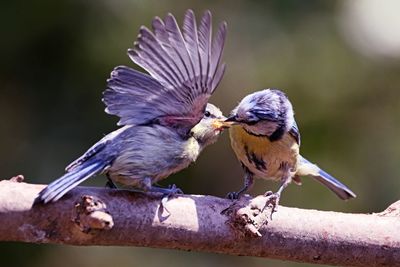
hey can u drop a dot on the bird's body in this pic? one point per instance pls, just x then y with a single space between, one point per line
166 153
165 116
264 158
266 140
130 165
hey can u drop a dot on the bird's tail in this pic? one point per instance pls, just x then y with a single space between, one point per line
68 181
307 168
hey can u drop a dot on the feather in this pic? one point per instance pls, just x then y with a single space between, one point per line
216 54
162 36
190 35
68 181
307 168
184 68
205 45
294 131
177 41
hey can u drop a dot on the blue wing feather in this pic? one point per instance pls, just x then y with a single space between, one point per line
184 70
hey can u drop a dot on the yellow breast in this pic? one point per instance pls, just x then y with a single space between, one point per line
262 157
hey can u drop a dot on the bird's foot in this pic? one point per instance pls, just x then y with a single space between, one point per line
173 189
273 200
169 192
110 184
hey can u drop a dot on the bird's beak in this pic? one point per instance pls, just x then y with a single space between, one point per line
232 120
221 125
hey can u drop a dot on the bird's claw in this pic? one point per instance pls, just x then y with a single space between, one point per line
171 191
110 185
273 199
174 190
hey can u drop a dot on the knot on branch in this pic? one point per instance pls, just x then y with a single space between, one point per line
247 215
91 214
393 210
17 179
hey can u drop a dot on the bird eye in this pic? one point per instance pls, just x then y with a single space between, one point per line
207 114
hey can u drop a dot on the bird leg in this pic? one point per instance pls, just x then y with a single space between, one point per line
273 198
167 194
170 191
146 185
248 183
110 183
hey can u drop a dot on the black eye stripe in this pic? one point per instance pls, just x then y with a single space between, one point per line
250 122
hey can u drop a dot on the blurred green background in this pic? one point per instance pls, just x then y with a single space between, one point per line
339 63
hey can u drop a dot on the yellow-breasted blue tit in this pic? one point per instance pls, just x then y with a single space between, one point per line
165 116
266 140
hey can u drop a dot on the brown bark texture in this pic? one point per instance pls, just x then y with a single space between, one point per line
109 217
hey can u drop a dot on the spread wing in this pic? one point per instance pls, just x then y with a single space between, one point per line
184 69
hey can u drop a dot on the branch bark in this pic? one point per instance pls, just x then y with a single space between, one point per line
95 216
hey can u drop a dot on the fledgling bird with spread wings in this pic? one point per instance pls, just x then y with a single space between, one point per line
165 116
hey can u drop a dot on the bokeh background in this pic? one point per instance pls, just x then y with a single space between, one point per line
338 61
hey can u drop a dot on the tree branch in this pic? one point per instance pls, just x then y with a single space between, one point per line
95 216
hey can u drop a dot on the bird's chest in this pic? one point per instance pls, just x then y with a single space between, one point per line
191 150
265 159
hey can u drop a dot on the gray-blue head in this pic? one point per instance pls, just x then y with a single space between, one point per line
267 112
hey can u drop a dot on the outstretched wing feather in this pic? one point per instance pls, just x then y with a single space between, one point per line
185 68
